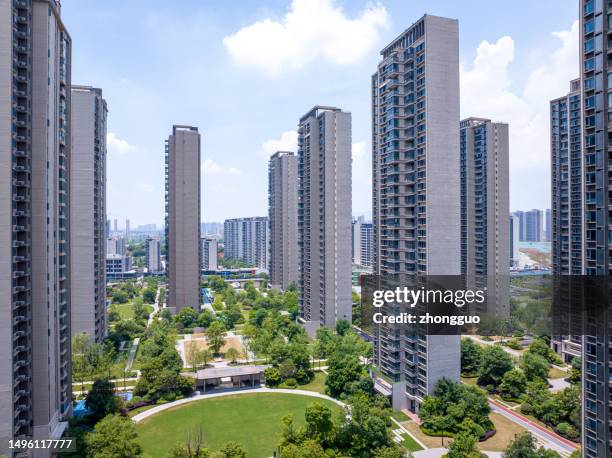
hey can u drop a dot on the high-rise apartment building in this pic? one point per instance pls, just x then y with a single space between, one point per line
485 201
324 217
246 240
282 215
514 240
596 99
35 369
153 255
363 243
566 180
183 217
115 228
127 227
88 213
533 222
548 225
210 252
416 190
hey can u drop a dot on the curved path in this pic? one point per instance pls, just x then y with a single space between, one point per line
147 413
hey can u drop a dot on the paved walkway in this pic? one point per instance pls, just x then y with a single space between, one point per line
147 413
551 439
558 384
510 351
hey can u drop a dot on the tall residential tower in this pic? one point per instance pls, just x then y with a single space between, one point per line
416 190
88 213
566 182
282 209
183 217
324 217
35 369
246 240
485 202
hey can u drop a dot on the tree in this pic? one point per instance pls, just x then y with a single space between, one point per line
232 450
575 373
471 354
272 376
463 446
186 316
539 347
341 371
149 294
495 362
524 446
513 384
319 423
342 326
534 366
232 354
205 356
192 355
101 398
113 437
215 336
119 297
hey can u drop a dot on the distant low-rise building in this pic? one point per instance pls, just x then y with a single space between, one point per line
118 266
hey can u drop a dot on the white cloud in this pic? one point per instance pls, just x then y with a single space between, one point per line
310 30
115 145
210 167
286 142
487 90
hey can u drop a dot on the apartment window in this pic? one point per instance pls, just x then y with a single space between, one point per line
589 26
589 45
589 64
589 83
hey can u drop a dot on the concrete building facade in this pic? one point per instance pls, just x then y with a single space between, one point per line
416 191
324 217
35 368
363 243
88 213
282 216
246 240
566 182
153 255
183 217
210 253
485 202
513 237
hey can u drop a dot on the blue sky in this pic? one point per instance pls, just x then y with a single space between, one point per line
244 72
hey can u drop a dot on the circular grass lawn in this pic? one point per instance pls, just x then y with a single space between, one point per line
252 420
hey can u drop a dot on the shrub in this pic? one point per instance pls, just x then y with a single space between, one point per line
526 408
567 430
514 344
291 382
272 376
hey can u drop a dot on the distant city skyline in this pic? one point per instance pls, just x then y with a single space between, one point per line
510 68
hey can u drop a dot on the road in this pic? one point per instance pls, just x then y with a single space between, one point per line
550 439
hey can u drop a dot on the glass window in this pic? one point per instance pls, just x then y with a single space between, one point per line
589 26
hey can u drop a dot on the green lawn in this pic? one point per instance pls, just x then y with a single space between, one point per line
126 311
252 420
410 444
316 384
